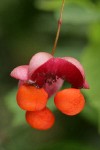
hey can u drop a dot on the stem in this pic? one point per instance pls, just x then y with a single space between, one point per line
59 27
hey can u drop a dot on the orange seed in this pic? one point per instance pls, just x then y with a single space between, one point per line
31 98
69 101
41 120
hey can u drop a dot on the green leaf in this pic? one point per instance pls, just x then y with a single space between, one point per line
18 114
48 5
91 62
80 12
70 145
90 113
5 4
94 34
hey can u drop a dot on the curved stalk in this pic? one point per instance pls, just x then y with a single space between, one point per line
59 27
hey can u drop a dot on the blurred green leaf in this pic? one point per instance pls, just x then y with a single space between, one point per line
70 145
91 62
7 3
51 104
90 113
94 34
47 5
80 12
18 114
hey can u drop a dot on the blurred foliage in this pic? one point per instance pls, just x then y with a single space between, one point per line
27 27
91 63
80 13
10 100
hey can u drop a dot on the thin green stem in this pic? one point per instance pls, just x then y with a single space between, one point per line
59 27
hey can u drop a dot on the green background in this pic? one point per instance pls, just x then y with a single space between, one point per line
28 27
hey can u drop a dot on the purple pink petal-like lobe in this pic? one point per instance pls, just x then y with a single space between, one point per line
86 85
37 60
76 63
20 72
80 67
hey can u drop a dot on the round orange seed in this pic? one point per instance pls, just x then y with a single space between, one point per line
69 101
31 98
41 120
